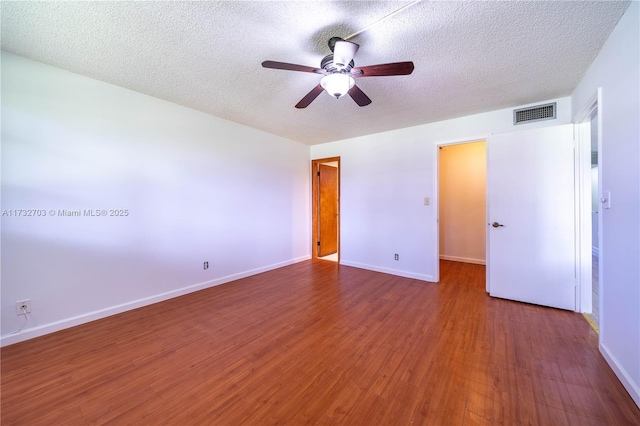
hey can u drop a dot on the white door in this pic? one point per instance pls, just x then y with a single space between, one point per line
530 210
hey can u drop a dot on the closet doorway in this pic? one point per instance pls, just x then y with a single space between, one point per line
462 202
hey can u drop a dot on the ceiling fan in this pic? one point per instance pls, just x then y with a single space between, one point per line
339 73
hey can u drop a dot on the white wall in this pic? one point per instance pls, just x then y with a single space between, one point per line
463 202
197 188
384 180
617 71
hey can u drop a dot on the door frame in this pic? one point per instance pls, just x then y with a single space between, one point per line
583 202
314 204
436 194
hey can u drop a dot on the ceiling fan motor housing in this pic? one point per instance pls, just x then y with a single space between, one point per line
328 65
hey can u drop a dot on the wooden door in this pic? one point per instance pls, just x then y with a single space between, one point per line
531 229
327 210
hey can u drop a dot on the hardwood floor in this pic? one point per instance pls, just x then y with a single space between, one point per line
317 342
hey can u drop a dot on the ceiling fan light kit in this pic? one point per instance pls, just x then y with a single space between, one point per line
338 84
339 73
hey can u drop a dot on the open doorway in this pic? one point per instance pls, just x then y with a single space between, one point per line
589 188
462 202
326 209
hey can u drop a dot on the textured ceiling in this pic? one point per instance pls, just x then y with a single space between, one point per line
470 56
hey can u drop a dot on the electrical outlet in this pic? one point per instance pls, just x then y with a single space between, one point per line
396 256
23 307
206 265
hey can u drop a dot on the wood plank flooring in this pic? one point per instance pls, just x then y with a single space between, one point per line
320 343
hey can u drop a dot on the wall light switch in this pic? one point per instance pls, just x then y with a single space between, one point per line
427 201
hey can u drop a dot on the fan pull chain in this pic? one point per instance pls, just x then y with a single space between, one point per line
382 19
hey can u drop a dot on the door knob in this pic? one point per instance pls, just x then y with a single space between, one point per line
496 224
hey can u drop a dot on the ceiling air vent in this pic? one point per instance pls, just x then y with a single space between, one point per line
536 113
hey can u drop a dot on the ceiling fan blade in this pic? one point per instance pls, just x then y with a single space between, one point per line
343 53
304 102
359 96
395 68
291 67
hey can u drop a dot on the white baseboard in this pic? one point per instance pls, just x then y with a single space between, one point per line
464 259
625 379
390 271
41 330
